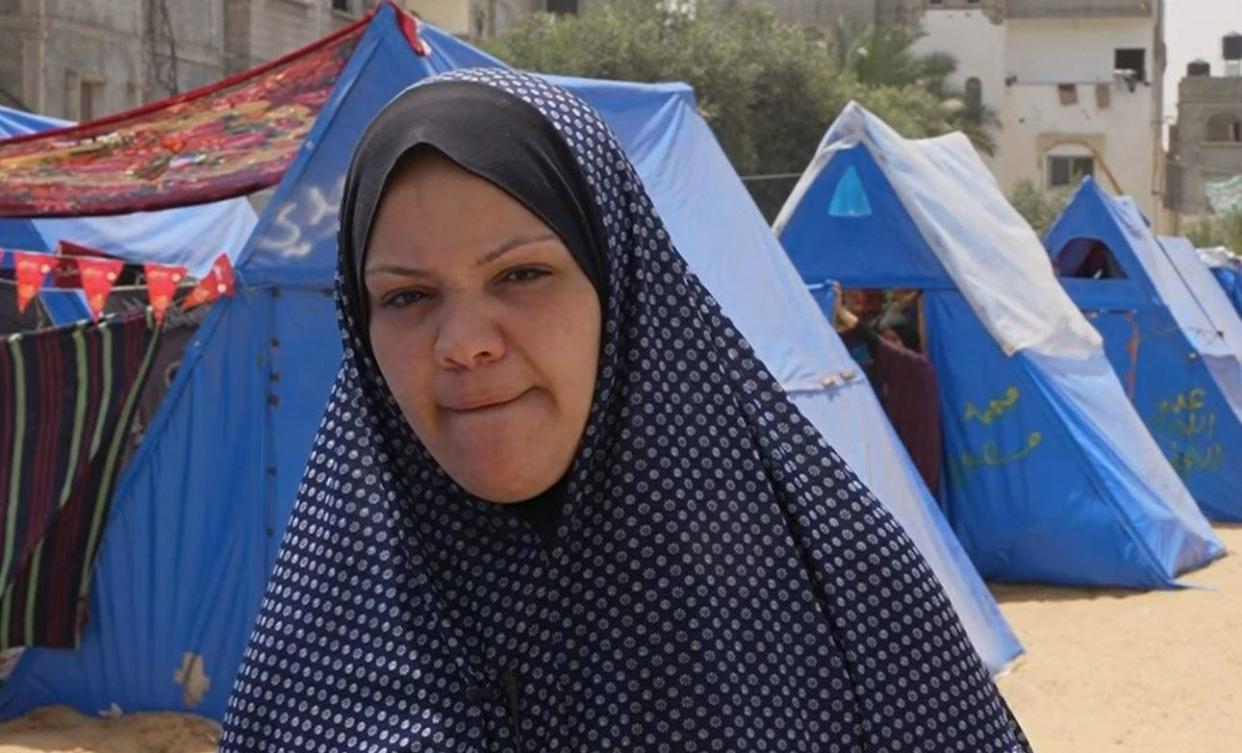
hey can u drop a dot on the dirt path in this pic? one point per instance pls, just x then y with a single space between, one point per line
59 729
1109 670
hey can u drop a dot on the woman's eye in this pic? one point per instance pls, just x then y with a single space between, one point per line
523 274
402 299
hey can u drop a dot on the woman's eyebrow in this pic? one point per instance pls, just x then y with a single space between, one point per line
512 243
516 241
395 269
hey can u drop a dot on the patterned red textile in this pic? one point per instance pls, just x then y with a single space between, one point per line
225 140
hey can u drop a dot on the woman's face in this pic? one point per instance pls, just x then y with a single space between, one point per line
484 326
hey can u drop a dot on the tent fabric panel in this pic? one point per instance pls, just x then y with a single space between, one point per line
1231 281
1125 463
14 122
304 353
190 237
1229 277
1203 286
1186 402
1032 490
855 250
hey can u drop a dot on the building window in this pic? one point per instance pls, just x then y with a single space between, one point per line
1133 60
974 96
563 6
90 101
1224 126
480 22
84 96
1068 170
342 6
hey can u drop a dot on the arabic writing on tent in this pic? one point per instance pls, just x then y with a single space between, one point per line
1185 428
990 453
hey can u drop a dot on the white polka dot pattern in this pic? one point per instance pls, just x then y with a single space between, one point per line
721 582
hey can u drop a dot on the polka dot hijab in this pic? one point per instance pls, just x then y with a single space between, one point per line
719 581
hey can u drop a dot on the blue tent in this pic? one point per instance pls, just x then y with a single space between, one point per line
1227 269
1176 349
1050 474
199 513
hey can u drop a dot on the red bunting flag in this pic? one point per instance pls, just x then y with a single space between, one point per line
218 282
66 270
98 277
162 284
30 271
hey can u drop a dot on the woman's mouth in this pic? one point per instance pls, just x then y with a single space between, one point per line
482 402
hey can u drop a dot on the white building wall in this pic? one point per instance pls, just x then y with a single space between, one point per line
1020 64
979 46
1044 53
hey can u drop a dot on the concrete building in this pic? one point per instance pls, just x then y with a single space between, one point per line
1205 144
1077 86
481 19
81 59
256 31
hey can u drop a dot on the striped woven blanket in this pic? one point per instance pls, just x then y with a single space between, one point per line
67 398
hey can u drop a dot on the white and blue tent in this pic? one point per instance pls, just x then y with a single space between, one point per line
189 236
1050 474
1227 269
199 513
1170 333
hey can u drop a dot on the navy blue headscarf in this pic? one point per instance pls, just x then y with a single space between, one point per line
719 579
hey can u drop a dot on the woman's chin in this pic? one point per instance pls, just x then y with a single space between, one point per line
505 489
504 472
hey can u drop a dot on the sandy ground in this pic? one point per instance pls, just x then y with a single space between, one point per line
1104 670
62 730
1109 670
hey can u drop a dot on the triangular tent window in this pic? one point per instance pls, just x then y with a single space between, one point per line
850 198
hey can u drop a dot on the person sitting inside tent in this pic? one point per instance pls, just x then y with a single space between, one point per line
557 503
885 340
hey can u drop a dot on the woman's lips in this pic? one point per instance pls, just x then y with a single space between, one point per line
475 404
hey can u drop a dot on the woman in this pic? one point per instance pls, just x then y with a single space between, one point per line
557 504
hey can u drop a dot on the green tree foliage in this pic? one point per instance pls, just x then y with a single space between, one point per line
883 59
1039 208
768 89
1217 230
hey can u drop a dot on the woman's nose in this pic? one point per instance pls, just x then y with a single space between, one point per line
468 337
